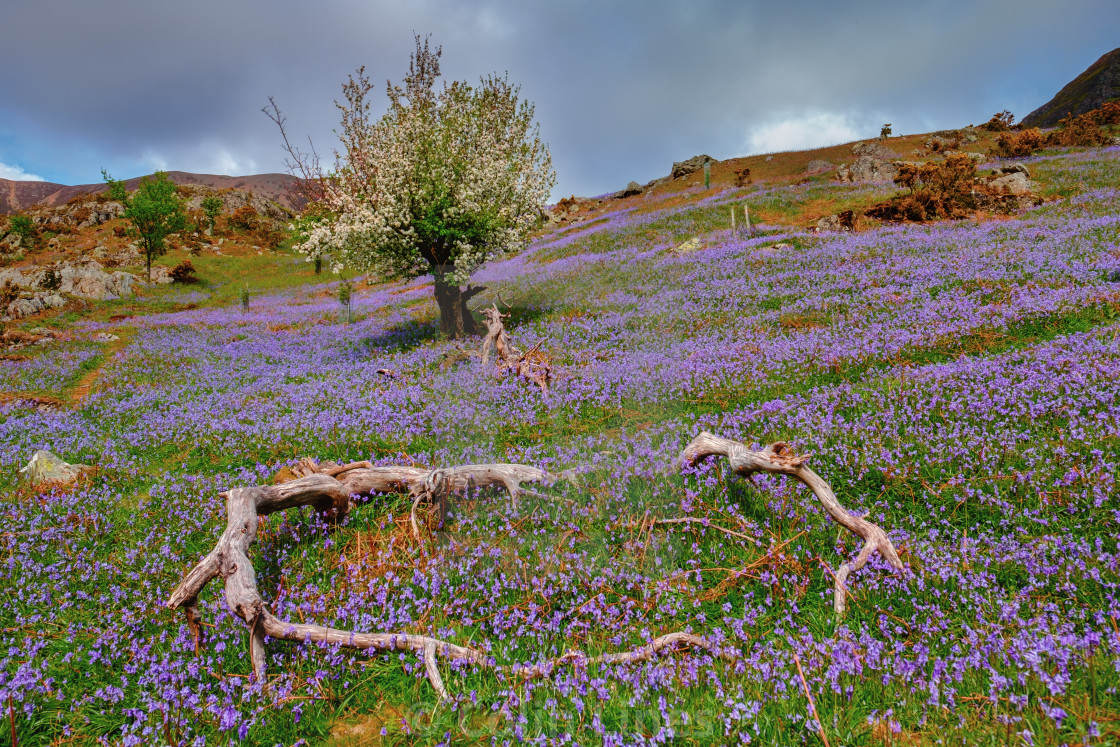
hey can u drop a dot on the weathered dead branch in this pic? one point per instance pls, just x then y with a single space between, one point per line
532 364
330 487
777 459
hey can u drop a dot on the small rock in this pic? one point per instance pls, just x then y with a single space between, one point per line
769 158
692 245
1016 168
46 467
41 331
818 166
105 337
829 223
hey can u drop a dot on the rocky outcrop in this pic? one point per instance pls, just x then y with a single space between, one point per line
867 169
690 166
1011 183
31 290
632 189
874 163
1088 91
570 209
875 150
818 166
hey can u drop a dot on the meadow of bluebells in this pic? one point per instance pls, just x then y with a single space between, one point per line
957 383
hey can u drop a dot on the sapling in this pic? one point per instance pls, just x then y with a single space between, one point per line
212 206
154 212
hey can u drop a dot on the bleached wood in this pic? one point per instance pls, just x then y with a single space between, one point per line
530 365
229 559
777 459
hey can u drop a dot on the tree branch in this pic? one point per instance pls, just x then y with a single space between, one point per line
777 459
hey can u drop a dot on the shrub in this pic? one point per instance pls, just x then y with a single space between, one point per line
1000 122
268 234
8 293
245 218
184 272
212 206
885 132
937 190
52 279
1109 113
24 227
1019 145
1084 130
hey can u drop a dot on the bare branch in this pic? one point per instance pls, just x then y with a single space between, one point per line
777 459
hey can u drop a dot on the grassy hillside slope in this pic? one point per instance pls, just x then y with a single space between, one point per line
957 383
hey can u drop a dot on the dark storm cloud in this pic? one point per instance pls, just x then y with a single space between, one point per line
621 88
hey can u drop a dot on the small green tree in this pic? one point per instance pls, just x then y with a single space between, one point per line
212 206
24 227
154 211
885 131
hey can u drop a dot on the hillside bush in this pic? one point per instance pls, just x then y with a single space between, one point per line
1018 145
1087 130
1000 122
1109 113
25 228
244 218
937 191
184 272
1084 131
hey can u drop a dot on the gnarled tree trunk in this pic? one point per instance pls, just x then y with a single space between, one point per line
455 319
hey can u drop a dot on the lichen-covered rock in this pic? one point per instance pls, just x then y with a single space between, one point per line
690 166
867 169
45 467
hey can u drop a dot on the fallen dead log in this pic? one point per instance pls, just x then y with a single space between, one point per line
777 459
329 488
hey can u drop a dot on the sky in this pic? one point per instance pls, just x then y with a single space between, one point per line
622 88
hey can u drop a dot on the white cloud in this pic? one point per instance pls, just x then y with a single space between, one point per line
154 161
805 131
16 174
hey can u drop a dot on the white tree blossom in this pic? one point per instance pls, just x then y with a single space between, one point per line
445 181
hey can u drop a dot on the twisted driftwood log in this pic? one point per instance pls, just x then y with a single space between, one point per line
329 488
532 364
776 459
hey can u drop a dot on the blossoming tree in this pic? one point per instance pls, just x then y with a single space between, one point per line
443 182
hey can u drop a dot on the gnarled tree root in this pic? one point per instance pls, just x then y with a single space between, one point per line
777 459
329 488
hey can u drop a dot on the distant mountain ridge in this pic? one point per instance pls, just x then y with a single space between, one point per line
20 195
1098 84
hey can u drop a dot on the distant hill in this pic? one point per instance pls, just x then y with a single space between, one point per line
1098 84
19 195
